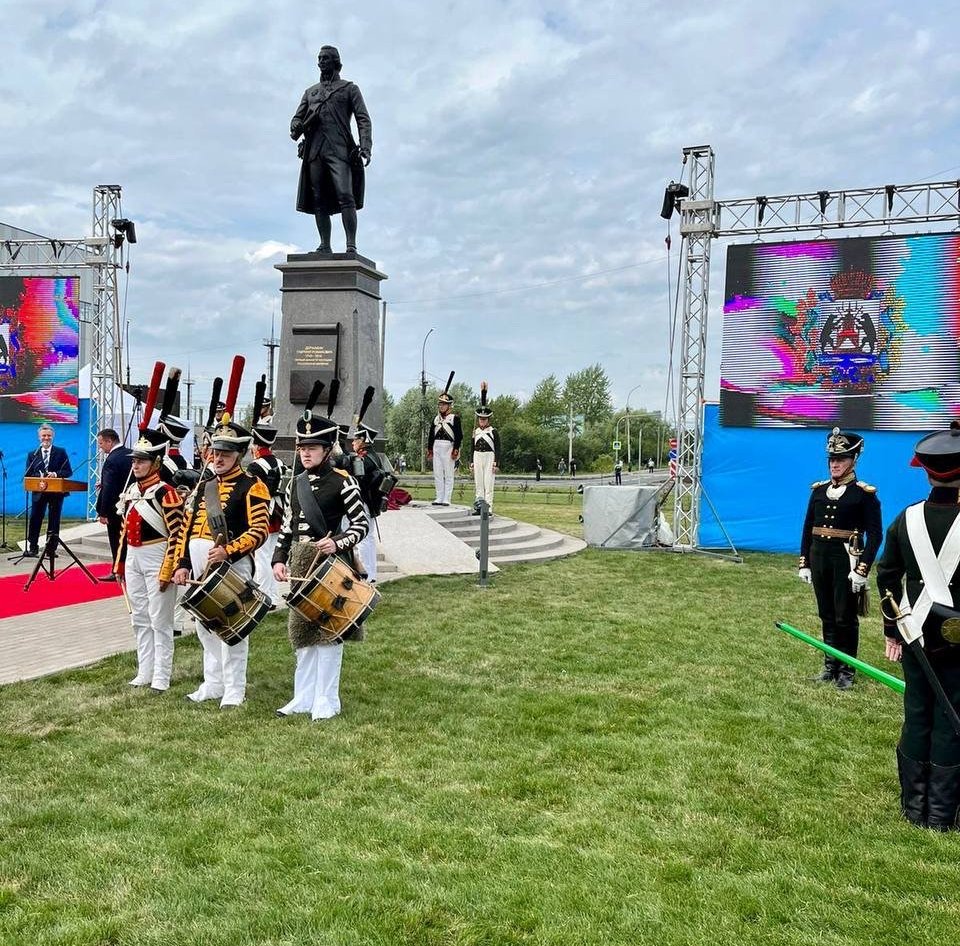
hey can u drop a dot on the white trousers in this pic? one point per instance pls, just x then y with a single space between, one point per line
224 667
367 547
443 470
151 615
263 570
316 682
483 476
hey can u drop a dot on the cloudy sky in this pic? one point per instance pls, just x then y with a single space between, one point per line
520 154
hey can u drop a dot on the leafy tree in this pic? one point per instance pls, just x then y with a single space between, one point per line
588 391
545 407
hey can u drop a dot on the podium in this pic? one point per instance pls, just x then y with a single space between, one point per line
54 486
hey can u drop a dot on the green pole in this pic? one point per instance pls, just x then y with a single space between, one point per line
881 676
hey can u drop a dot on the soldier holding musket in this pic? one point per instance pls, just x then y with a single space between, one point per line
919 572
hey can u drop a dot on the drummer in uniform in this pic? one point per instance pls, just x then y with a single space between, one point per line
486 454
841 509
320 501
226 520
146 560
924 538
269 468
446 435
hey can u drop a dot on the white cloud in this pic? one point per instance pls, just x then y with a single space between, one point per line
516 143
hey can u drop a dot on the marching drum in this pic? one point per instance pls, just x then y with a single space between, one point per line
226 604
333 597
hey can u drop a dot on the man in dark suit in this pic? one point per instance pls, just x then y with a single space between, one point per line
331 175
48 462
113 479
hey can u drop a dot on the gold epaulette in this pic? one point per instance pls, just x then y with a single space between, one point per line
819 483
343 473
866 487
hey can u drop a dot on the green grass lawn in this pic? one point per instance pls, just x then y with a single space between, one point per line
613 748
553 508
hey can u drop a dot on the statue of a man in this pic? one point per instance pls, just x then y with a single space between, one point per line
331 174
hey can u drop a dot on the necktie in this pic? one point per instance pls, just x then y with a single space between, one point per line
46 459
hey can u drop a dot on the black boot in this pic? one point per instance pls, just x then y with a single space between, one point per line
943 797
844 678
914 777
829 672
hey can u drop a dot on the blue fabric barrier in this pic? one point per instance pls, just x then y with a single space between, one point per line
17 440
759 479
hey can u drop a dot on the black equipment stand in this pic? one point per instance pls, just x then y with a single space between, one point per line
3 508
47 562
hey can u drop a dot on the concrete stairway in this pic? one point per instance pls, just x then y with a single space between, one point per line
510 541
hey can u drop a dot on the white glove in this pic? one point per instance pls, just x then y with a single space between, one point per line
805 575
857 581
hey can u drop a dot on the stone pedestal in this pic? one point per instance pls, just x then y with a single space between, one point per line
330 328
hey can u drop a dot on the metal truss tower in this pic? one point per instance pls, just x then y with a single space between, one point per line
703 219
697 226
106 345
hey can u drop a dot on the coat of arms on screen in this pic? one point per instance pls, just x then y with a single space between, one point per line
847 336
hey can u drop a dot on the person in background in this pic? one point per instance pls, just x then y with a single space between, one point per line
114 475
919 570
618 472
47 461
538 470
842 511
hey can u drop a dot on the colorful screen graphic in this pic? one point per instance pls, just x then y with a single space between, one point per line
861 332
39 342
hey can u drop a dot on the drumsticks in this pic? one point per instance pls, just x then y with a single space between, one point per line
316 558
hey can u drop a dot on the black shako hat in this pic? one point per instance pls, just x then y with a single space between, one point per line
312 429
175 428
843 445
484 410
150 445
228 435
264 435
939 454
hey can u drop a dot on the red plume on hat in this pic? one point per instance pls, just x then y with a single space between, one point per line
152 393
236 373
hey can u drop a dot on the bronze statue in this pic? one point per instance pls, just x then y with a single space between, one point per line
331 172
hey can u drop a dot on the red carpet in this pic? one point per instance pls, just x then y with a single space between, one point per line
70 587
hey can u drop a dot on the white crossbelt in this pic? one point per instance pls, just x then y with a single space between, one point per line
933 569
446 423
144 507
483 433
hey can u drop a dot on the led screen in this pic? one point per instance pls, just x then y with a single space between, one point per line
860 332
39 341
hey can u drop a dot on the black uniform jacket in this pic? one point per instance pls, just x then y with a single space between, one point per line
857 509
899 563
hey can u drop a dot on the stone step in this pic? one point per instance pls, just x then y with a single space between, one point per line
567 546
497 526
509 541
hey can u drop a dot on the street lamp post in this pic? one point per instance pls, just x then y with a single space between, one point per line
627 411
423 403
